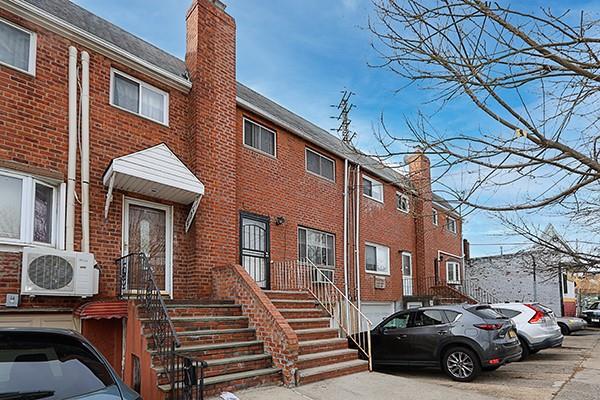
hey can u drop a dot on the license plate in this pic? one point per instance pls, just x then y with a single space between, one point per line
512 334
595 319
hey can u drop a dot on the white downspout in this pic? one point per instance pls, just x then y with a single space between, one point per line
346 227
72 151
85 152
357 234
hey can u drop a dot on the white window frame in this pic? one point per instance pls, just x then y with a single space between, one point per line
378 246
399 197
456 268
307 150
32 49
28 183
274 155
373 183
320 266
141 84
455 230
435 216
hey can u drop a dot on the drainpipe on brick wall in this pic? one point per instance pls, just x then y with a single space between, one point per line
346 227
85 152
72 151
357 235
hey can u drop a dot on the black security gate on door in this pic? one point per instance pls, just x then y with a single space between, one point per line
254 247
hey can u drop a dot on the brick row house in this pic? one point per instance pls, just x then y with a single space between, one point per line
110 146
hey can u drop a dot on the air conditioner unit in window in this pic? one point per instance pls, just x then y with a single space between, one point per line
319 278
48 272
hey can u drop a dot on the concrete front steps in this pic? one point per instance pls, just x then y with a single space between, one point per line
323 354
219 334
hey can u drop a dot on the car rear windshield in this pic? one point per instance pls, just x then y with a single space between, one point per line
486 312
57 364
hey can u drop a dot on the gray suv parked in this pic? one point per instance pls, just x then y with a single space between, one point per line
461 339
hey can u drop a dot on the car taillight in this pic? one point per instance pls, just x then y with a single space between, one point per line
489 327
538 316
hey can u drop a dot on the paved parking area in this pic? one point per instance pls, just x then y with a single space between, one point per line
570 372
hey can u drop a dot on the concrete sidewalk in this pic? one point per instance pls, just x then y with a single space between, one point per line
584 384
361 386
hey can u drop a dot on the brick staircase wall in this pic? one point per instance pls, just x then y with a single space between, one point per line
233 283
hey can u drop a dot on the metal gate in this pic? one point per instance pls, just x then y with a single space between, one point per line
254 247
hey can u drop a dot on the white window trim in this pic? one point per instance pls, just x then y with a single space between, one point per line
458 272
327 267
142 84
127 201
455 230
320 155
403 196
28 183
388 259
274 155
374 182
435 217
32 49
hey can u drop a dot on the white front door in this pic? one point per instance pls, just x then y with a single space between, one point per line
148 229
407 278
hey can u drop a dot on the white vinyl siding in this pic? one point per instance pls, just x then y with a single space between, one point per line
29 213
402 202
372 189
317 246
377 259
453 272
320 165
259 138
17 47
451 224
138 97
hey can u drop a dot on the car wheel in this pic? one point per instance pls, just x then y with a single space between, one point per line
461 364
564 329
526 352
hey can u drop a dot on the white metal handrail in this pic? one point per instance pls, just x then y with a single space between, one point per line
305 275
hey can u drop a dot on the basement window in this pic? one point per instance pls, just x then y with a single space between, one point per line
317 246
17 47
259 138
320 165
29 210
138 97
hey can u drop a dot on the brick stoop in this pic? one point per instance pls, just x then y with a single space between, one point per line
219 334
322 354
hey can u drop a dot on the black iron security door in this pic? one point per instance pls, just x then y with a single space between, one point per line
255 247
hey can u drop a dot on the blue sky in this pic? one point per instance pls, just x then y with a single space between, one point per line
302 54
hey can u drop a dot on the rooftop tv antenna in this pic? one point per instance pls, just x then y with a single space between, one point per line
344 107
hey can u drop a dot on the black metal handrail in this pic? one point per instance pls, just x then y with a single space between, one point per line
137 282
440 287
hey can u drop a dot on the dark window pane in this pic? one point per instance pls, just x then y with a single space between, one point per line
428 317
367 187
14 46
42 216
32 362
302 244
371 258
452 315
126 93
248 126
486 312
398 322
267 141
312 162
330 252
327 168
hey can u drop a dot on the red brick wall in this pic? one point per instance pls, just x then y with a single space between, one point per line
233 283
107 337
33 132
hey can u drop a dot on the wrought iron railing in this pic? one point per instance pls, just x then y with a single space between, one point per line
305 276
137 282
463 290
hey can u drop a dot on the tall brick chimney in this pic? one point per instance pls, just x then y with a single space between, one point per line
420 177
210 58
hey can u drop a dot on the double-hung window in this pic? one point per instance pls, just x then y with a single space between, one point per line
17 47
451 224
320 165
259 138
377 259
138 97
453 272
402 202
372 188
29 213
316 246
434 216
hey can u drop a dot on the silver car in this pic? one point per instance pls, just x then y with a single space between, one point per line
569 325
536 325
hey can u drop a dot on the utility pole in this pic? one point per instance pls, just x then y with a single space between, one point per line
344 107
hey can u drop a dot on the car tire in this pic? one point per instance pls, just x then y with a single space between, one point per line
564 329
461 364
526 351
